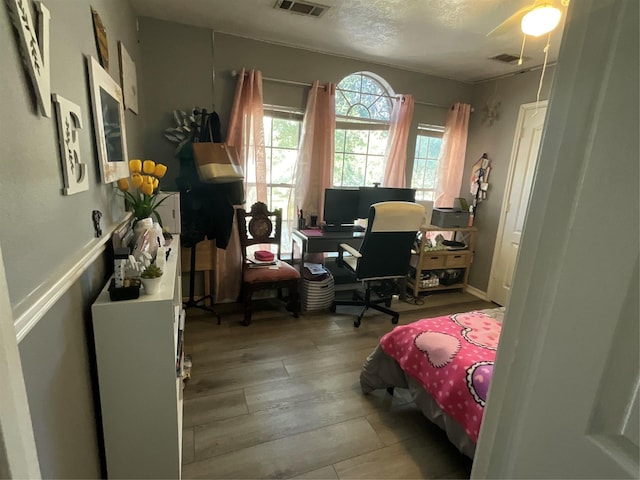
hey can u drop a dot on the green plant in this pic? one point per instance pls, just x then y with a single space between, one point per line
152 271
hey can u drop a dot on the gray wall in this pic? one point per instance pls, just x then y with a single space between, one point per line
186 58
58 368
176 61
497 142
42 229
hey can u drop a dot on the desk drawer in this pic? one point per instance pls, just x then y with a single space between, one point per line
431 261
458 260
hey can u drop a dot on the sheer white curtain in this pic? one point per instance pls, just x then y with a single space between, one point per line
314 168
452 155
395 170
246 133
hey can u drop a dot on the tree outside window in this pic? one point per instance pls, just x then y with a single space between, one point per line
425 163
281 138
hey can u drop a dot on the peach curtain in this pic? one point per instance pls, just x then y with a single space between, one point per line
395 170
246 130
314 168
452 155
246 133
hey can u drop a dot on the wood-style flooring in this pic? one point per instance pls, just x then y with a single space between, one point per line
281 398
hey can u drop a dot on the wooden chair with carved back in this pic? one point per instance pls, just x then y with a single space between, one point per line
258 227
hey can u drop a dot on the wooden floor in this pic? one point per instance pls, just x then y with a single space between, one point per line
281 399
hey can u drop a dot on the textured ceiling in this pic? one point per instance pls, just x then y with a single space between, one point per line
440 37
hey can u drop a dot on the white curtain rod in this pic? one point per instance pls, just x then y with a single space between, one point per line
234 73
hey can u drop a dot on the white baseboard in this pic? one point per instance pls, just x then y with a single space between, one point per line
28 312
477 293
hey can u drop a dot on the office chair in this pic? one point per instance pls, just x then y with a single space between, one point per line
384 254
257 227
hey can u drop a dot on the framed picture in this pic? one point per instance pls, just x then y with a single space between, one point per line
128 79
101 38
108 122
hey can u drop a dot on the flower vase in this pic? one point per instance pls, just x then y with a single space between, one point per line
141 226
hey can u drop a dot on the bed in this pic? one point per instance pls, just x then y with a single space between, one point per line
446 363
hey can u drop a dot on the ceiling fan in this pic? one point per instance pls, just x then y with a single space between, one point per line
536 19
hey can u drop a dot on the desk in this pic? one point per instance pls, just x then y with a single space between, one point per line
317 241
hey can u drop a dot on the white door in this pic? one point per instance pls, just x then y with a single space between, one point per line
516 200
18 457
563 401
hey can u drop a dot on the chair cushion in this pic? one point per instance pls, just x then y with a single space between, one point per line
263 275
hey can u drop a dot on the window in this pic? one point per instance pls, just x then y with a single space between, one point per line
425 162
363 109
281 137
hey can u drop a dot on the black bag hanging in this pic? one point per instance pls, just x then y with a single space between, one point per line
207 207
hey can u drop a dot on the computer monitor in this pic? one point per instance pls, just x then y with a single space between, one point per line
370 195
340 206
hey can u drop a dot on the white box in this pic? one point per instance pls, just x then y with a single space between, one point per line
170 211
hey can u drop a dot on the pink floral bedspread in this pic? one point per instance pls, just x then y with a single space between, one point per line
452 358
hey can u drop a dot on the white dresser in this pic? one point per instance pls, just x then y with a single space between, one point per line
139 365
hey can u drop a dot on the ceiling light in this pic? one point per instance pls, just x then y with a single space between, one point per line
540 20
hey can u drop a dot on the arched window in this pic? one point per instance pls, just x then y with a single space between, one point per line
363 109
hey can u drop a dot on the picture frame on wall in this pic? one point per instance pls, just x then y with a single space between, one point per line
101 38
128 79
109 124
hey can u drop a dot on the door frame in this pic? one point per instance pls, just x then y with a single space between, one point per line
524 108
594 41
18 454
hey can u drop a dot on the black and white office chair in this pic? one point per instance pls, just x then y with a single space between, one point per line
384 254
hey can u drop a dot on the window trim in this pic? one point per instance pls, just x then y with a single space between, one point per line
285 113
387 93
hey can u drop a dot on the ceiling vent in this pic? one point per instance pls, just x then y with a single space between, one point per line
301 8
508 58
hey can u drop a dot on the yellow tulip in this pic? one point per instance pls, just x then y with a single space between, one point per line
148 166
123 184
136 180
160 170
156 182
147 188
135 166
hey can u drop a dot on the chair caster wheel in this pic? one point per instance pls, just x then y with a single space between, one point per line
394 320
356 323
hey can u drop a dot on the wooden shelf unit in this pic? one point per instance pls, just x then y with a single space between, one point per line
140 377
436 260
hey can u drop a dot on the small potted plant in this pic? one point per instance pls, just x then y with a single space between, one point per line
151 278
